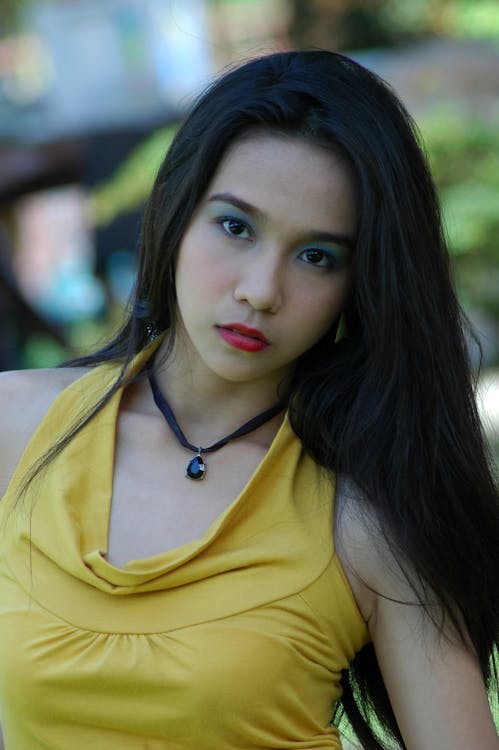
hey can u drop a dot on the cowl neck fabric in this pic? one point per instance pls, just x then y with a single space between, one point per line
273 540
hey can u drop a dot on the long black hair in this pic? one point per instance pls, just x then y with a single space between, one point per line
391 404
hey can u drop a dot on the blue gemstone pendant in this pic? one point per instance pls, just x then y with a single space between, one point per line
195 468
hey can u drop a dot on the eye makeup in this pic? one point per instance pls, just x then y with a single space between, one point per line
329 259
226 207
235 227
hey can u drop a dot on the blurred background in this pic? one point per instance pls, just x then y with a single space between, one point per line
90 94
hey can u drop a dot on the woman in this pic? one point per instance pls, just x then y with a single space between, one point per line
338 552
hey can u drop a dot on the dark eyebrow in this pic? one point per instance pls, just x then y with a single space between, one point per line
238 202
336 239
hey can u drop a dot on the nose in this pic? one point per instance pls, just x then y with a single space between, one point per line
260 282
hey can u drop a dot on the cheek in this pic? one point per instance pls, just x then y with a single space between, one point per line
322 307
201 282
202 270
201 287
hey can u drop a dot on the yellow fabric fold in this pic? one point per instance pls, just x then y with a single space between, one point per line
257 609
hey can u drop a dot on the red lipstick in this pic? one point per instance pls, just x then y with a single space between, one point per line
242 337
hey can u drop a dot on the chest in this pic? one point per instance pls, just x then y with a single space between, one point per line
154 506
122 688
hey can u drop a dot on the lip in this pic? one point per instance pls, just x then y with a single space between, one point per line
243 337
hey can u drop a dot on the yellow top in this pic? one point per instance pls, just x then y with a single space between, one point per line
234 640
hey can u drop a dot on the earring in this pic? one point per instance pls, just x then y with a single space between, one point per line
142 313
340 329
152 330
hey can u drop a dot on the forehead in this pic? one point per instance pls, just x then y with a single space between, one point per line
291 180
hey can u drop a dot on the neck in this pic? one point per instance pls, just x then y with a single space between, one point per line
207 407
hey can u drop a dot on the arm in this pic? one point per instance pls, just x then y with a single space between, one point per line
433 681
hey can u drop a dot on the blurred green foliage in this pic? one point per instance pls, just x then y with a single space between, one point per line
13 14
357 24
128 187
42 351
464 155
477 19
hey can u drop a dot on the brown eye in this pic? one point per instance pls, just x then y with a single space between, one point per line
235 227
316 256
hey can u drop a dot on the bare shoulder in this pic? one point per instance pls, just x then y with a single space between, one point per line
376 572
359 544
25 397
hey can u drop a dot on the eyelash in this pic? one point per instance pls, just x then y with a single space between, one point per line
234 219
332 261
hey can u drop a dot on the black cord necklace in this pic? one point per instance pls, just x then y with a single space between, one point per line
196 468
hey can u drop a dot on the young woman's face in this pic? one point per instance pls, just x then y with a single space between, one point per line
263 267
